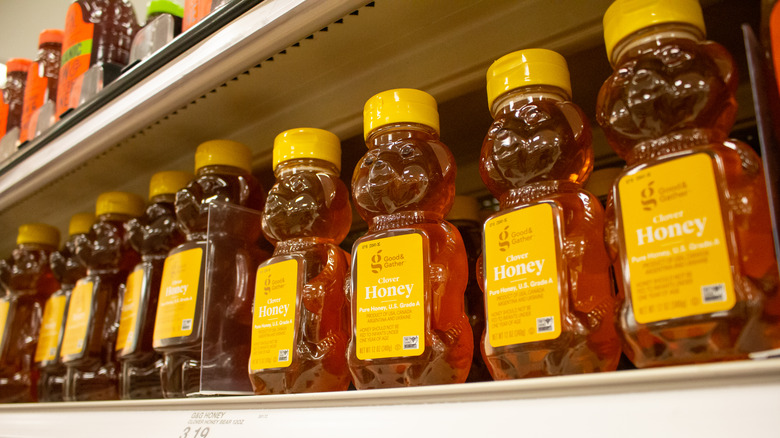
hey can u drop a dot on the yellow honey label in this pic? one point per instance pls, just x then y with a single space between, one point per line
522 286
178 295
675 249
77 323
51 326
4 307
129 316
273 325
389 291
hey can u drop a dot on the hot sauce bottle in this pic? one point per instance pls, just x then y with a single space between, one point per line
185 312
152 235
67 270
409 271
28 282
13 93
97 32
88 345
688 222
548 289
42 78
301 315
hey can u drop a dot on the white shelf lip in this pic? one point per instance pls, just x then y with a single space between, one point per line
260 33
707 376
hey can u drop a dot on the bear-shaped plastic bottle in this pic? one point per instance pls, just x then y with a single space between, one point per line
688 222
152 235
548 289
204 318
67 270
88 345
301 314
409 271
29 282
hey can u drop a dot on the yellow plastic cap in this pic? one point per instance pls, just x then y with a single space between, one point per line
38 233
402 105
119 203
307 143
223 153
625 17
168 182
527 67
80 223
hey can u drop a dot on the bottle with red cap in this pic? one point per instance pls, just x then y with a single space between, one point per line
29 282
41 80
13 94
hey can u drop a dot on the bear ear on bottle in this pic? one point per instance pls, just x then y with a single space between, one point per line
67 270
696 271
301 288
88 344
409 271
549 310
204 321
29 282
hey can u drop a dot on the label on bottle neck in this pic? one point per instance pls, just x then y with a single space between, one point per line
4 308
51 328
277 297
388 288
675 254
77 323
76 55
523 287
178 295
128 319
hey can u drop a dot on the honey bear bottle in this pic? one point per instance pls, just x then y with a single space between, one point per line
152 235
409 271
548 289
28 281
688 222
204 321
301 315
93 312
67 270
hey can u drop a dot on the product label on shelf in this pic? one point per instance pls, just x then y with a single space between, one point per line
76 55
178 295
34 96
388 287
675 250
128 320
51 326
522 283
4 307
277 287
77 322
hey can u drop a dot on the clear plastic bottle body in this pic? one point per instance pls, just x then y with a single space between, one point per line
307 214
29 282
671 98
230 242
42 80
13 93
152 235
538 151
405 183
93 372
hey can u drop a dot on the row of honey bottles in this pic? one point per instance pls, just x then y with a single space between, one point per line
158 300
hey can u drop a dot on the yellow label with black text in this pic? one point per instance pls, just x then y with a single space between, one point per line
51 325
77 323
676 250
4 307
273 325
129 315
389 293
178 295
522 288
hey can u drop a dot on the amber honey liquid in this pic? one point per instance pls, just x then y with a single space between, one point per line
672 98
405 182
308 214
538 152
